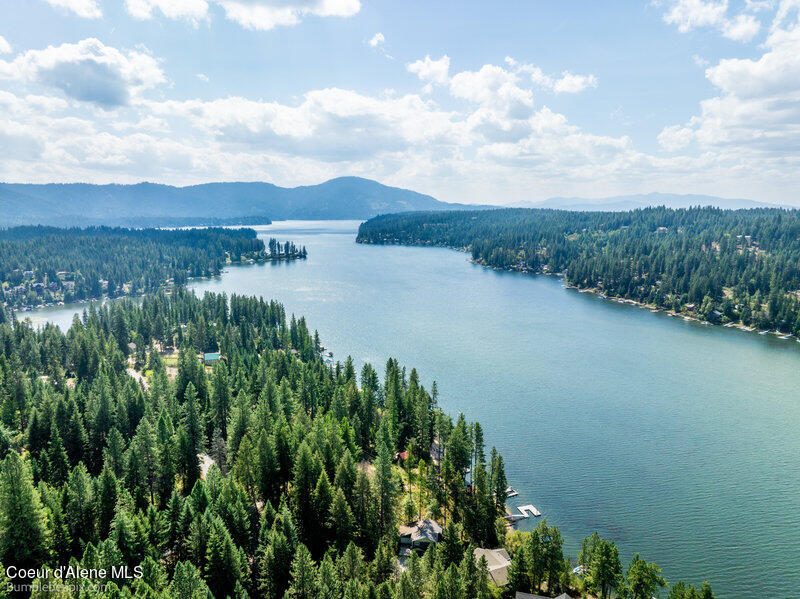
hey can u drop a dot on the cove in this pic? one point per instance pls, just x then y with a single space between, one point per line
680 441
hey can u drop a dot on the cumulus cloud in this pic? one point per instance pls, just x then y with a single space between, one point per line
192 10
5 47
203 77
264 15
485 135
88 9
431 71
88 71
377 40
758 106
693 14
567 82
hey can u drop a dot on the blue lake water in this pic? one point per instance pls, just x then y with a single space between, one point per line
680 441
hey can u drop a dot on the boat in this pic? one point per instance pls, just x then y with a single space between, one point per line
511 492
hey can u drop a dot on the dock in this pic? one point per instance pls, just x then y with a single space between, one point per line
529 509
525 511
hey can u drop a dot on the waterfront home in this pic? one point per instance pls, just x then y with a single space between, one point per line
497 561
420 534
211 358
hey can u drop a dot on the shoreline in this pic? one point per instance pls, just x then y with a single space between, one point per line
29 308
687 316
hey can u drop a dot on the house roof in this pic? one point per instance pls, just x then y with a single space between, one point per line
497 561
212 356
426 530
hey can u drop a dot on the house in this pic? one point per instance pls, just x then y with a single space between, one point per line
419 535
529 596
211 359
69 285
401 455
498 562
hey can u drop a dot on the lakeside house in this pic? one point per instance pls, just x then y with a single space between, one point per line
419 535
529 596
211 358
498 561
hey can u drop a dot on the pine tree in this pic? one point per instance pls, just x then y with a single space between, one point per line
246 468
341 521
304 483
385 490
114 452
187 582
57 459
24 537
223 566
107 493
322 508
79 508
220 398
167 458
304 583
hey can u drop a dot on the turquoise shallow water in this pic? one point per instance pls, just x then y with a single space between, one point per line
680 441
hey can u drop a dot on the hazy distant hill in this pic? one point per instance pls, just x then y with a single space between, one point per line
631 202
150 203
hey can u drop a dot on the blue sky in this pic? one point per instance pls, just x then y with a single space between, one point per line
497 102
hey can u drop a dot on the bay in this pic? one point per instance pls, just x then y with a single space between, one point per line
678 440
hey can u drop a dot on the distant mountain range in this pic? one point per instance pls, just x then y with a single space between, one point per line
162 205
631 202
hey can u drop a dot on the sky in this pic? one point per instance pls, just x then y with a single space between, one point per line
477 102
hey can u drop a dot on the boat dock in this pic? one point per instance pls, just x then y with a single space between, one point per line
525 511
529 509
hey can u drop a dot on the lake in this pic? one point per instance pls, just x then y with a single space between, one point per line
678 440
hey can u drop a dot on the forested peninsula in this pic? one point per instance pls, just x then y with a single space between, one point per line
49 265
736 267
205 444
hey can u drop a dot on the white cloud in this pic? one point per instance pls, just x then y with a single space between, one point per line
264 15
485 136
700 61
203 77
377 40
192 10
573 84
88 9
742 28
431 71
88 71
694 14
261 15
5 47
566 83
757 110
